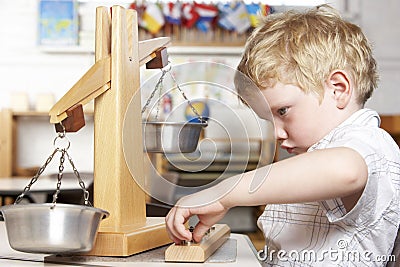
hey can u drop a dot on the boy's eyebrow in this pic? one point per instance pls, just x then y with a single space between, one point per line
277 105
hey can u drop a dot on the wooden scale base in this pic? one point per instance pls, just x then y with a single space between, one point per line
149 236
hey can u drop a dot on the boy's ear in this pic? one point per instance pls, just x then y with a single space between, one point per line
339 83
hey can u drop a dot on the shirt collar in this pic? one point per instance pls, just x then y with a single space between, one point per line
362 117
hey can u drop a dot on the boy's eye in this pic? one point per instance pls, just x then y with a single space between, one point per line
282 111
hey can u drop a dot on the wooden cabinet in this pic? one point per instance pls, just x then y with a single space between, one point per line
391 123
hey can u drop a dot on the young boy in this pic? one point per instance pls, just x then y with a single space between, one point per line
336 202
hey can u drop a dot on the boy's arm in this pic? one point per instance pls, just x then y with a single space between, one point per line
314 176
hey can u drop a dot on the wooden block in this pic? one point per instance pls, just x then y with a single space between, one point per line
199 252
160 61
19 101
74 122
44 102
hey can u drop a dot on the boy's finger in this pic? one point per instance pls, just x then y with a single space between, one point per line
175 222
199 231
182 233
170 225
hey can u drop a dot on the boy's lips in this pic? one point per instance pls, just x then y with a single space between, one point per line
288 149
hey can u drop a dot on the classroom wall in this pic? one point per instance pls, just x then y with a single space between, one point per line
24 67
379 20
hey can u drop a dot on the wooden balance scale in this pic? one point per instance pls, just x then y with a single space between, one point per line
113 81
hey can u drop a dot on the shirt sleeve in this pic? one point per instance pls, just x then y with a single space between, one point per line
378 192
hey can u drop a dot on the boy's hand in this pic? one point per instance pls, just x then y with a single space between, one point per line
177 217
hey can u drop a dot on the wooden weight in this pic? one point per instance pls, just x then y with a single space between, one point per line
74 122
160 60
199 252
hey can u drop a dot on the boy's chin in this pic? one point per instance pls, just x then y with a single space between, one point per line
297 151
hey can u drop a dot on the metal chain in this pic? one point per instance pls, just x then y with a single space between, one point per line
62 134
81 183
59 176
187 99
35 178
159 102
63 152
159 87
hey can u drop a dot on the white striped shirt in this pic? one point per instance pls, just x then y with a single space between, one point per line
324 233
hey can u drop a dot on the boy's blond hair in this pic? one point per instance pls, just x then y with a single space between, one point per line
304 48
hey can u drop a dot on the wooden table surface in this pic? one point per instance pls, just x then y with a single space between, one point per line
9 257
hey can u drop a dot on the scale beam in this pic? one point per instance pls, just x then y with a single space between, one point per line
97 79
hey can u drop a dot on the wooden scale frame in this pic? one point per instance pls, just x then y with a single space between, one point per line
114 84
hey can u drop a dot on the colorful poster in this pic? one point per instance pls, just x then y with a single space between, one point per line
58 22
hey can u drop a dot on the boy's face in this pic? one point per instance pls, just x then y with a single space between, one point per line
300 119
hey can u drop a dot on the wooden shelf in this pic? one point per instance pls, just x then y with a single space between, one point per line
8 143
29 113
73 49
175 49
39 113
206 50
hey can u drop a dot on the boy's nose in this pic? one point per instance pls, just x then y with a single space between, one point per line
280 133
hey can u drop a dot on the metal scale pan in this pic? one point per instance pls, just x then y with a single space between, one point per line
171 137
167 136
52 227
